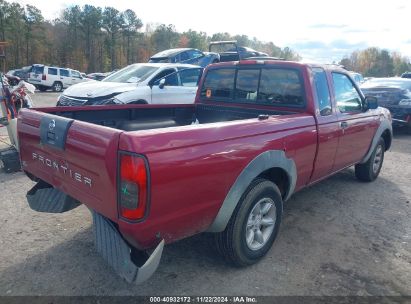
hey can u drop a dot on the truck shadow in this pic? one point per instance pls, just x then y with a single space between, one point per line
192 266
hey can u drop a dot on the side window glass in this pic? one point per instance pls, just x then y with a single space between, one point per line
190 77
281 87
75 74
194 54
184 56
219 84
64 73
162 74
323 92
171 80
247 84
346 96
52 71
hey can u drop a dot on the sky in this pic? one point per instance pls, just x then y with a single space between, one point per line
321 31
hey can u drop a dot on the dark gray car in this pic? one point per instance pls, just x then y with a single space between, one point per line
185 55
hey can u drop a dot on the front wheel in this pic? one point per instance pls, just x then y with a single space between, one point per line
57 86
370 170
253 226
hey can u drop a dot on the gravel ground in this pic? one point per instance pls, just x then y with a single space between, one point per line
339 237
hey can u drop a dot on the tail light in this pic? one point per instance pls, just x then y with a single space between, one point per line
43 77
133 187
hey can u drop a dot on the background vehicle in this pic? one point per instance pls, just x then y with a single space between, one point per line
154 174
230 51
97 76
22 73
393 94
357 77
55 78
185 55
406 75
138 84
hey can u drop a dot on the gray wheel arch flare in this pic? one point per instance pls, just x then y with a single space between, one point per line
263 162
385 125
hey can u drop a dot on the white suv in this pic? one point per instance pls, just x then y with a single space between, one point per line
55 78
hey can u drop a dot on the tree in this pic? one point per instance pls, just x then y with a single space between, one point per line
131 25
90 23
112 22
165 37
32 17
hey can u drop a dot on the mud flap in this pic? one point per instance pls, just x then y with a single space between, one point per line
45 198
117 253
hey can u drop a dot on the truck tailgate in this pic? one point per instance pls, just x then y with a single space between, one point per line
76 157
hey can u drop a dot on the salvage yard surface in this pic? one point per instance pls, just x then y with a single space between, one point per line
338 237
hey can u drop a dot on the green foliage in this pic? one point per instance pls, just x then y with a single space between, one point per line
95 39
375 62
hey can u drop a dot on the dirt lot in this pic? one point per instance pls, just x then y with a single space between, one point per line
339 237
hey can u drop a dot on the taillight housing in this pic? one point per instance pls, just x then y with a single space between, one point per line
44 77
133 183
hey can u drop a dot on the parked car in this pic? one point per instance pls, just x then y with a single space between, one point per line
137 84
22 74
97 76
155 174
393 94
358 78
246 52
406 75
55 78
230 51
185 55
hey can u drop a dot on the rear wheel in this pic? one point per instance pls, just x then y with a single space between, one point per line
253 226
370 170
57 86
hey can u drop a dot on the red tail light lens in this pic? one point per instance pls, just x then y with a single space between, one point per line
133 187
43 77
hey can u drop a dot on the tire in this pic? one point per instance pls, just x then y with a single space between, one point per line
57 86
370 170
232 243
42 88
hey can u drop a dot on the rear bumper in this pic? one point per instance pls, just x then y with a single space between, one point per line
401 116
130 264
119 255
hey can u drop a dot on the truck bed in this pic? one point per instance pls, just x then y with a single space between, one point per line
135 118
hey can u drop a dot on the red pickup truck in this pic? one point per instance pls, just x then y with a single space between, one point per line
153 174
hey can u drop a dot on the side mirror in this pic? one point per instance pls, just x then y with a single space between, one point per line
371 103
162 83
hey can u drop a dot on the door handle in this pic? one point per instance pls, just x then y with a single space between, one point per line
344 125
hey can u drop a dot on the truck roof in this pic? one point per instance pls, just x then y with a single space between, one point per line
271 61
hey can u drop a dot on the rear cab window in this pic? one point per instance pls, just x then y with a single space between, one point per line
273 86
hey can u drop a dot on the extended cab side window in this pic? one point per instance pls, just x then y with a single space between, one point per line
282 87
346 95
219 84
323 92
